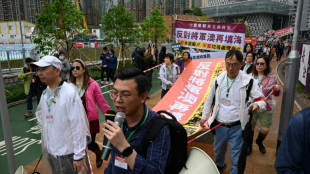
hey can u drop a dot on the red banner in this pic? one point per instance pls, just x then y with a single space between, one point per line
186 97
284 31
252 40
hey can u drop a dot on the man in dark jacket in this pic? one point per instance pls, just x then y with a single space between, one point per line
294 152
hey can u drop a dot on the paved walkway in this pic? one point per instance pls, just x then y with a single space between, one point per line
257 163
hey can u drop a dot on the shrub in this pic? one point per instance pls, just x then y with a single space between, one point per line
16 93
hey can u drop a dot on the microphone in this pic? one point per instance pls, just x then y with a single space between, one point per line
119 120
109 115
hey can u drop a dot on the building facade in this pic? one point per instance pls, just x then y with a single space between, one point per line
259 15
10 32
28 9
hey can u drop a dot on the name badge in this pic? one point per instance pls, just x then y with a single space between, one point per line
120 162
225 101
49 118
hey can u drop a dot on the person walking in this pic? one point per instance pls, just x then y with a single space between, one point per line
65 67
32 85
104 64
183 61
169 72
129 94
279 49
229 92
112 64
134 55
248 63
268 83
162 54
90 94
63 120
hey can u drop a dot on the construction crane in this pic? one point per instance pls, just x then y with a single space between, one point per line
79 7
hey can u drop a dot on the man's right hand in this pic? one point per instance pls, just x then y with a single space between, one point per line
202 122
80 166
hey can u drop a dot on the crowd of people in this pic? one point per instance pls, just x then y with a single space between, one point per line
68 113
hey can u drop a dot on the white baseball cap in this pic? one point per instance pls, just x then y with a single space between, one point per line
48 61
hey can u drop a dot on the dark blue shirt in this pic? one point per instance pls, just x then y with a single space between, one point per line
294 152
112 62
103 58
157 152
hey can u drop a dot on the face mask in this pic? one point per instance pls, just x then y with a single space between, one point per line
61 57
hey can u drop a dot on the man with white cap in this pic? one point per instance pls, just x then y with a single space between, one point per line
63 119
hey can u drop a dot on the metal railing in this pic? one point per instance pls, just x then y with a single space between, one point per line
12 60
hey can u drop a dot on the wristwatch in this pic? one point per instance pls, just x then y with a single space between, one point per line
127 151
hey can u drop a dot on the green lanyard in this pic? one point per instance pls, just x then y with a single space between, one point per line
133 132
229 86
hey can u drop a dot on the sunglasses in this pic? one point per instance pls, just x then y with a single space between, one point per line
75 67
260 63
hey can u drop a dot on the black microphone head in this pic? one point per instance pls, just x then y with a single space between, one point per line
110 115
119 118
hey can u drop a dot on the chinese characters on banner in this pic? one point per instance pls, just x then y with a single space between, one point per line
186 97
284 32
210 36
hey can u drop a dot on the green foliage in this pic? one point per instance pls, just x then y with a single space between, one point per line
154 28
17 93
119 26
248 32
197 11
188 11
57 25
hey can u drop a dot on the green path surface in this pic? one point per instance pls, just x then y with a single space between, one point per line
27 134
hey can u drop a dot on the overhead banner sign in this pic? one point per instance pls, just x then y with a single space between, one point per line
284 31
186 98
209 35
208 55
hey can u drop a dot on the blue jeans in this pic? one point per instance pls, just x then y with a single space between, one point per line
34 90
233 136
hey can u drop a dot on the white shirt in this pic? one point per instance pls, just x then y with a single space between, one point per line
229 106
64 122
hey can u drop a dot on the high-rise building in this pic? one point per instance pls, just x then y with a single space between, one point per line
259 15
151 5
28 9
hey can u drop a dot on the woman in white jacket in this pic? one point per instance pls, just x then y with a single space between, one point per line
169 72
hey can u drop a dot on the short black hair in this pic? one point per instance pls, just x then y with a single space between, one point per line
235 52
143 84
105 48
171 56
113 52
28 60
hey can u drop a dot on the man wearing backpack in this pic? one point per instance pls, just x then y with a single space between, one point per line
229 92
129 93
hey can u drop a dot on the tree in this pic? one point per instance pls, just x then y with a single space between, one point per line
57 25
197 11
188 11
248 32
154 27
119 27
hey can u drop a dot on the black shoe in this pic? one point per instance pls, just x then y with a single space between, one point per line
262 148
99 163
221 169
249 150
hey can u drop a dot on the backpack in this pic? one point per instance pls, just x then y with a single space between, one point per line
178 150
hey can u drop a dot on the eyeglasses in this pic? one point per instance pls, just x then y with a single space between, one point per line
233 65
123 97
260 63
75 67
